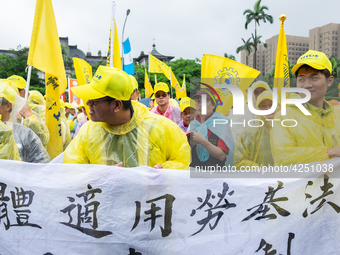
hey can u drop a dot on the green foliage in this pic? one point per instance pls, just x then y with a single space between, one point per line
190 68
96 65
229 56
68 62
17 65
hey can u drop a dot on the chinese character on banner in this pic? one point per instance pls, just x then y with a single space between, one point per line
73 98
21 200
266 246
268 200
215 211
326 192
166 230
85 216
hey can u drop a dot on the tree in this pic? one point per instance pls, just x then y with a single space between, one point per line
229 56
68 62
17 65
335 66
257 14
247 46
190 68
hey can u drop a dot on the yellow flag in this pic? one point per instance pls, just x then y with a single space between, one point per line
220 70
281 75
157 66
182 91
83 72
113 55
147 86
45 55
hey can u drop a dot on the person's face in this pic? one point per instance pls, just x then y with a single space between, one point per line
186 115
315 82
210 106
151 104
258 91
266 105
4 111
162 98
22 92
101 109
70 111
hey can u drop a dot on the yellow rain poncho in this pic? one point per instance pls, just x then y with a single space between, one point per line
38 126
146 140
37 104
310 139
8 147
253 144
65 129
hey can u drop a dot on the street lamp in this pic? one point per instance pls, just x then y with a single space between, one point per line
127 14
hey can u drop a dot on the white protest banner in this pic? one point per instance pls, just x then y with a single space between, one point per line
94 209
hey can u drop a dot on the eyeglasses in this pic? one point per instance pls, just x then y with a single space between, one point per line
161 95
101 100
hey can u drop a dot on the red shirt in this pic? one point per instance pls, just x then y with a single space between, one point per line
220 143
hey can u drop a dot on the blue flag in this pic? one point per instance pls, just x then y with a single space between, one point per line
129 67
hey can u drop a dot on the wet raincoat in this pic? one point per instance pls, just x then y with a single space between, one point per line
29 144
8 147
310 139
38 126
146 140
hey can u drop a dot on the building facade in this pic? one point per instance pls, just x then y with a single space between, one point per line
323 39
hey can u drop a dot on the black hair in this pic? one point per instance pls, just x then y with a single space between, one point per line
4 102
126 104
325 72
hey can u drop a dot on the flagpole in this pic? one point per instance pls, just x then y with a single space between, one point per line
68 89
127 14
155 79
170 83
27 87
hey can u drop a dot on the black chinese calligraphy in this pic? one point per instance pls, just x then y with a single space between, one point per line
133 252
21 200
52 81
166 230
85 214
213 211
325 192
269 200
266 247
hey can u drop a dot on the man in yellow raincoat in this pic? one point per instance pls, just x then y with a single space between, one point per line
124 132
315 137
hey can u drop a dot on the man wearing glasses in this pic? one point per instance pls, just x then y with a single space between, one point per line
163 106
123 132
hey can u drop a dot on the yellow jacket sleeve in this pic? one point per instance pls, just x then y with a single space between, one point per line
297 145
243 150
174 146
8 147
75 153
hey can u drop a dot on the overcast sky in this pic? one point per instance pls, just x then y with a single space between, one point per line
181 28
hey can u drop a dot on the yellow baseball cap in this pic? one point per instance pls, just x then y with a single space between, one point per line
11 84
36 98
187 102
62 104
161 86
69 106
18 81
264 95
7 92
134 82
107 81
81 105
316 59
260 84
